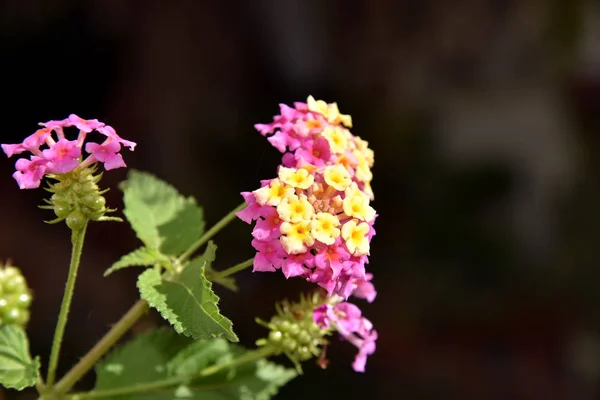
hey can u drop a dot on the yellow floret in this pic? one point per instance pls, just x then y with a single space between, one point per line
355 236
337 176
356 204
299 178
363 173
295 209
337 139
331 112
325 228
297 237
273 193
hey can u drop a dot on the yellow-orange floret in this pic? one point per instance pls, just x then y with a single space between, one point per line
273 193
298 178
297 236
295 209
355 236
337 176
325 228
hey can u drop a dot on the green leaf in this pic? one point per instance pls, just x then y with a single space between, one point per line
161 217
144 256
17 369
153 357
187 302
141 360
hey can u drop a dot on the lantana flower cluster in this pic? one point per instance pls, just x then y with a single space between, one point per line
63 155
315 219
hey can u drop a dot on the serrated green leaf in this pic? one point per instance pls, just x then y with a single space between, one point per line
144 257
167 355
187 302
161 217
17 369
141 360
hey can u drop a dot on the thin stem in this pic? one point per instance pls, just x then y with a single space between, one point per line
77 238
232 270
102 347
251 356
211 232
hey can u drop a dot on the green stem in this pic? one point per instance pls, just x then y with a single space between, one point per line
102 347
211 232
250 356
77 237
232 270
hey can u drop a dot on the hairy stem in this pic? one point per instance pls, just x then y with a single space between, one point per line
77 238
232 270
102 347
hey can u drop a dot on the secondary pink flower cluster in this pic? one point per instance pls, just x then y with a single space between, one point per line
347 319
63 155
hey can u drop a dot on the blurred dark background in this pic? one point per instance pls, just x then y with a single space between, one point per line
484 116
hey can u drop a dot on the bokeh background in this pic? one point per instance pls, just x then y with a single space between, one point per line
484 116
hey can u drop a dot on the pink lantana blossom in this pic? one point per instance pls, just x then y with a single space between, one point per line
365 289
348 321
107 153
269 257
84 125
29 173
267 227
109 131
62 155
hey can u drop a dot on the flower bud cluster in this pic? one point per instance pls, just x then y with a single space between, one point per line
15 297
76 197
293 330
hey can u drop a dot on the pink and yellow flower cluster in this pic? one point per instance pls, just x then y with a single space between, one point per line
314 220
63 155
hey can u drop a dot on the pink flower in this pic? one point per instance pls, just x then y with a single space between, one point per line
347 319
321 316
107 153
267 227
365 289
108 131
63 157
84 125
297 265
269 257
252 211
29 173
314 152
332 257
365 349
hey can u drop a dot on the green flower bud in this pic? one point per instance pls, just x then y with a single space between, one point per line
15 297
76 220
293 331
77 198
